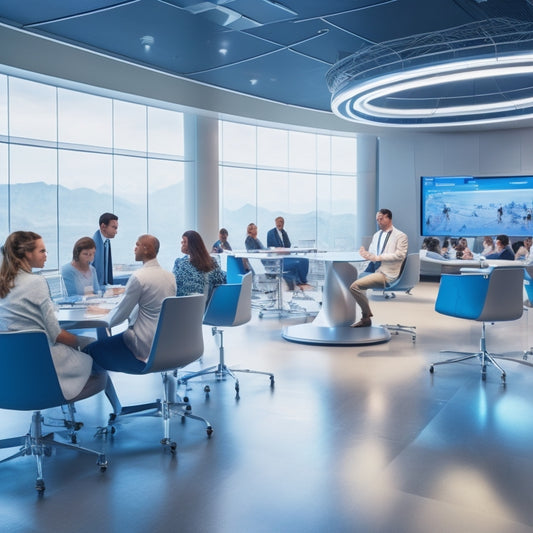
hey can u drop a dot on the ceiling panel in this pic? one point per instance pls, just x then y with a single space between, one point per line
284 46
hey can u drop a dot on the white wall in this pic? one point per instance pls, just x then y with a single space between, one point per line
404 157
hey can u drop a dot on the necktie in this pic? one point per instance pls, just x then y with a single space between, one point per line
106 262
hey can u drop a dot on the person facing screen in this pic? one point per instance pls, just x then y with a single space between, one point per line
503 250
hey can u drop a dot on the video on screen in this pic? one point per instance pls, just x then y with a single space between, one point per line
476 206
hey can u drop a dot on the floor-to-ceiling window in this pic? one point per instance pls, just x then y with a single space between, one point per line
310 179
67 156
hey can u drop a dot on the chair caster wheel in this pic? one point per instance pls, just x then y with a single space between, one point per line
39 486
173 447
431 369
207 389
186 399
209 431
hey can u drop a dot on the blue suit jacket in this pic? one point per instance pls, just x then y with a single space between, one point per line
274 240
98 262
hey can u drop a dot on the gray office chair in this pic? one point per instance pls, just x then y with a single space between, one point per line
178 341
408 278
484 295
28 382
229 306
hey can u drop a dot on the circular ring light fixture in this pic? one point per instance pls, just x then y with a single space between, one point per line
479 73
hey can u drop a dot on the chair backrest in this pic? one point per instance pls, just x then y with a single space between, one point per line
495 294
28 381
235 269
504 299
409 275
230 304
178 339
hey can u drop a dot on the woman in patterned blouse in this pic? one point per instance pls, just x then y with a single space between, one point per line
197 272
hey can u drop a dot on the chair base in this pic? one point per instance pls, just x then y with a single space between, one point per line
171 405
220 372
39 445
484 358
400 328
391 293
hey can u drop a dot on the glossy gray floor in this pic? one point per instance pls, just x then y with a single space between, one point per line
350 439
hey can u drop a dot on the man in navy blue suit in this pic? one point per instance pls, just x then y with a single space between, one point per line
296 268
103 262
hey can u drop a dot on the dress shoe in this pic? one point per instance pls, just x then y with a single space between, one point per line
365 322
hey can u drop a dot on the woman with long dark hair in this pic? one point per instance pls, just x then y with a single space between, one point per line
197 272
25 304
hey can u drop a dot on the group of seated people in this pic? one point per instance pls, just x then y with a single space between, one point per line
500 248
295 269
26 303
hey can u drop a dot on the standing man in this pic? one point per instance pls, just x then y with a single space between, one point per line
387 252
296 267
103 263
145 291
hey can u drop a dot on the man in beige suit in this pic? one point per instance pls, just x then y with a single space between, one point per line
387 252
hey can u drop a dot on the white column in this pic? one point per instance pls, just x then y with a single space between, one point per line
201 176
367 155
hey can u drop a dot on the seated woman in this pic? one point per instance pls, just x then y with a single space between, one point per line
25 304
488 246
462 251
197 272
79 275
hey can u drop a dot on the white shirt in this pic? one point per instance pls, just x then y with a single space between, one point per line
145 291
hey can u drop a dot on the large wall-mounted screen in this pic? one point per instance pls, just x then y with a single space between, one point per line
473 206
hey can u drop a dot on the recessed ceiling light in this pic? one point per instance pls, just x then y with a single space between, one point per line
253 81
223 51
147 41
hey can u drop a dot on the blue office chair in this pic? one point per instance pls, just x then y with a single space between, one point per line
229 306
28 382
408 278
485 295
178 341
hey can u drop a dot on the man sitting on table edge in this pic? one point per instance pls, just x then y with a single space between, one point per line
386 254
145 291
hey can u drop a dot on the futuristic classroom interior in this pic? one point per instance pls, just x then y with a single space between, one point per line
184 115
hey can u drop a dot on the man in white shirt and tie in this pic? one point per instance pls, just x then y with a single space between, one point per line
103 263
387 252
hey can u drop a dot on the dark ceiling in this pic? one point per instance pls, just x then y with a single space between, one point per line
276 50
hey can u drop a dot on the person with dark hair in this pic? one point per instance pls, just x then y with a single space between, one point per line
25 304
222 243
386 254
503 249
103 262
145 291
197 272
80 275
295 267
432 245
